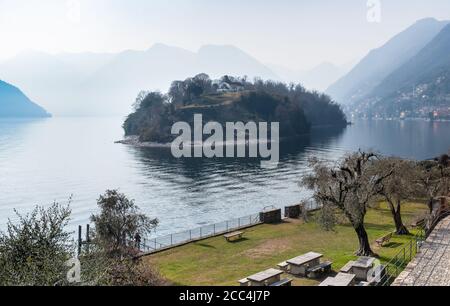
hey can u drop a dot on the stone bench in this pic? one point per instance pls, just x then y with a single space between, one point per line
284 266
244 282
384 239
234 236
282 283
323 268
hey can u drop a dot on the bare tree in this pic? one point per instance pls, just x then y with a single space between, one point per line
398 188
350 187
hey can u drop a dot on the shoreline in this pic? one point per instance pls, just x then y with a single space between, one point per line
134 141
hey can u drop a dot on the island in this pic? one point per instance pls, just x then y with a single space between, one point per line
229 99
15 104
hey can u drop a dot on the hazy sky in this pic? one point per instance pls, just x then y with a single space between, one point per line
293 33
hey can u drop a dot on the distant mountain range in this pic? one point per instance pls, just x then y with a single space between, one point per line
408 75
318 78
107 84
13 103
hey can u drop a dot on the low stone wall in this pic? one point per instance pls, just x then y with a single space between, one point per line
293 212
271 216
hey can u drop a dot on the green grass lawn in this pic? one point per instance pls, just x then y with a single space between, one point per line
217 262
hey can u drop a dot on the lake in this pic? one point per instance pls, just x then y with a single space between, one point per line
53 159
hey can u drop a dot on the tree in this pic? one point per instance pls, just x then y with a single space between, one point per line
350 187
139 99
398 188
33 252
433 179
118 222
112 260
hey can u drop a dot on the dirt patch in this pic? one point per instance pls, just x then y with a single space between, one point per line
269 248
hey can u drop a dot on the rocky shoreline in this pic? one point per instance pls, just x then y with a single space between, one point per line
134 141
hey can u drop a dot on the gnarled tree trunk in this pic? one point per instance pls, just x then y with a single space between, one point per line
364 244
400 228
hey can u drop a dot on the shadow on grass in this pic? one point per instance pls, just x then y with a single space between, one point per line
204 245
239 241
392 245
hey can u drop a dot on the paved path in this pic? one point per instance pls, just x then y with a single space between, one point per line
431 267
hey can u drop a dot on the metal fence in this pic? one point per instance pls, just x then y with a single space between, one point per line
159 243
168 241
399 263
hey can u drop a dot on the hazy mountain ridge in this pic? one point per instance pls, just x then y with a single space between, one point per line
420 86
381 62
318 78
13 103
107 84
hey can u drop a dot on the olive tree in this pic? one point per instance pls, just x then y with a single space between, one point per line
399 187
433 179
113 260
119 221
349 186
35 248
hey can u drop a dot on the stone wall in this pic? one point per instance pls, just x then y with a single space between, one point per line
431 267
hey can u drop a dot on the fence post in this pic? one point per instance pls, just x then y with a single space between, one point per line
80 239
201 232
239 222
155 244
88 239
227 226
214 229
411 251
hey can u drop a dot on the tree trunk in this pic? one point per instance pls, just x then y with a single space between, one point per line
364 244
430 205
399 226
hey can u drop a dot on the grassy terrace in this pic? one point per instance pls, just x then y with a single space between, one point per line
217 262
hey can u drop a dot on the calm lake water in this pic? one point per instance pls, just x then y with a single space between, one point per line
48 160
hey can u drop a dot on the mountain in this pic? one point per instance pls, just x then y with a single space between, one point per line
44 78
381 62
319 78
107 84
421 85
221 60
13 103
154 69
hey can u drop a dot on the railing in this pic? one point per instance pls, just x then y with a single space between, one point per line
159 243
168 241
399 263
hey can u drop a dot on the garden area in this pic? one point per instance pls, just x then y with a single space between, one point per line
217 262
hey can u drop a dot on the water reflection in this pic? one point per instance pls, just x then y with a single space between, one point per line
50 159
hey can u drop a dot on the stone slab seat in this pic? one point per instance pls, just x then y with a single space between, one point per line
348 267
283 283
283 266
244 282
323 268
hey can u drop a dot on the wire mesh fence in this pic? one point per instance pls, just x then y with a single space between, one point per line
399 263
159 243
